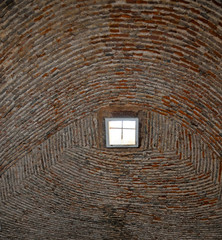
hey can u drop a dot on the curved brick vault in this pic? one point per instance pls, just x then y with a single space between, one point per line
64 66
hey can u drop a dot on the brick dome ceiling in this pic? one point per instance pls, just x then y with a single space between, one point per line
64 67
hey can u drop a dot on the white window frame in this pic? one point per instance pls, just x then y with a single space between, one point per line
108 145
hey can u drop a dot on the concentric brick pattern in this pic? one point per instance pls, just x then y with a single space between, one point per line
61 62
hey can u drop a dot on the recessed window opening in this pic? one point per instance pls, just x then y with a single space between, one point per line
121 132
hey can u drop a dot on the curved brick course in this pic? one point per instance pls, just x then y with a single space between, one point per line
61 64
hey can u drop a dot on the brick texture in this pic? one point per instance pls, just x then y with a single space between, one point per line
61 64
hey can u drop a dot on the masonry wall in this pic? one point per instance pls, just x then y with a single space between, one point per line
65 66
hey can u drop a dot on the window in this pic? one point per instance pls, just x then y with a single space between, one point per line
121 132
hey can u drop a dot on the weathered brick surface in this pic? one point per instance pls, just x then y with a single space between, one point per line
61 63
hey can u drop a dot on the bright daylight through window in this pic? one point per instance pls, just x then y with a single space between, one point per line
121 132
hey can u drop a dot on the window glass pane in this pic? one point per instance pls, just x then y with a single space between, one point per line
121 132
115 136
129 136
115 124
129 124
